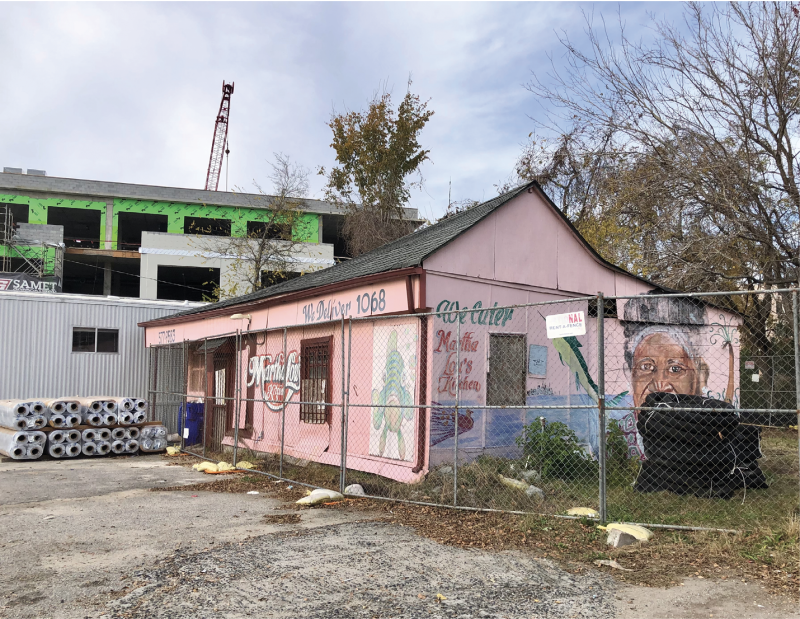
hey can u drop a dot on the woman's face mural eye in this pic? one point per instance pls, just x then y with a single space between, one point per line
647 366
660 364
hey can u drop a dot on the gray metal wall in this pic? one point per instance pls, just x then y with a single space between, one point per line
36 358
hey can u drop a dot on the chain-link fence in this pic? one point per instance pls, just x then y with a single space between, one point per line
673 410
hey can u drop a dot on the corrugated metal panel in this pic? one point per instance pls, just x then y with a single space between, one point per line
36 358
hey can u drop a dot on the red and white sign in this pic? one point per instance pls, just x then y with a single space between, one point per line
565 325
4 284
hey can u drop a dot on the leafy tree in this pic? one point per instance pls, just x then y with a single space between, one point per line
377 150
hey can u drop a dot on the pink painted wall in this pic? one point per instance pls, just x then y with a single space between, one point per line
371 300
525 253
376 443
526 244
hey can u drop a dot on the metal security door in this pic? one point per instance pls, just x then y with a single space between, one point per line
505 380
221 401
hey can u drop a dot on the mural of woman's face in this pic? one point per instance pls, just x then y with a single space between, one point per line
660 364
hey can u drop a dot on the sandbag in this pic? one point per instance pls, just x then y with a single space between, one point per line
321 495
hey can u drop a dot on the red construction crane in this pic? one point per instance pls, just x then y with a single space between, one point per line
220 139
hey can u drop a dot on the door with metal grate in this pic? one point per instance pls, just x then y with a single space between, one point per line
505 380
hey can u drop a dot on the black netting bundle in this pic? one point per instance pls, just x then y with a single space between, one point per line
705 452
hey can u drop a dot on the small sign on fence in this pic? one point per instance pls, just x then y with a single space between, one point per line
564 325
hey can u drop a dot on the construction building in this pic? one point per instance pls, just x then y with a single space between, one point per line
147 241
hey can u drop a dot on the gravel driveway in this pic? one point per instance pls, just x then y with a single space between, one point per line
364 569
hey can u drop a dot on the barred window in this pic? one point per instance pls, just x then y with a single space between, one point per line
315 382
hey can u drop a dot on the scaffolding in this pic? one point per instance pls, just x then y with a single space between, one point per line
33 256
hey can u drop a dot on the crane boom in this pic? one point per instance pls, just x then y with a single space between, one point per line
220 139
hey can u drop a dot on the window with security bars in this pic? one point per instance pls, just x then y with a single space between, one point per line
315 379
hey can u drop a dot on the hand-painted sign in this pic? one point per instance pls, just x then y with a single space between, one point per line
325 310
478 315
365 303
166 337
271 373
566 325
457 366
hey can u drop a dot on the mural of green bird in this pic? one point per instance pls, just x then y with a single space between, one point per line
394 402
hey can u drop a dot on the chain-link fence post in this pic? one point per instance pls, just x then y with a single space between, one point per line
346 411
601 402
207 410
796 347
455 409
154 401
283 405
182 417
341 438
237 400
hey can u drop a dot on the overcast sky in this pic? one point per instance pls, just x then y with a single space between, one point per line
129 92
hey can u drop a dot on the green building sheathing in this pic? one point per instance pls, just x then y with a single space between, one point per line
37 212
306 228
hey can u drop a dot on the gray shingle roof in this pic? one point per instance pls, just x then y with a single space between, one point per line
408 251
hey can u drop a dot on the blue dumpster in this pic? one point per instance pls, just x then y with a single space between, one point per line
192 423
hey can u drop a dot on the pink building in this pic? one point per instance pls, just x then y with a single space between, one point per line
402 372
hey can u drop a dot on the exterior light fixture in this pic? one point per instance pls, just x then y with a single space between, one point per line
247 317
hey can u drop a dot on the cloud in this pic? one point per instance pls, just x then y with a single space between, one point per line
129 92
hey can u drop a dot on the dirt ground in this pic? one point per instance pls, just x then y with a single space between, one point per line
89 538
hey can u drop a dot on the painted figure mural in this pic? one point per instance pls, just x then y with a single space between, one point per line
393 385
671 347
669 353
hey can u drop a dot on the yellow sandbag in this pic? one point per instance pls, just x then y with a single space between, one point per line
205 466
513 483
245 465
321 495
225 466
640 533
583 511
173 451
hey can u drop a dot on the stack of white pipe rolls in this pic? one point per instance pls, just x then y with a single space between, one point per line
69 426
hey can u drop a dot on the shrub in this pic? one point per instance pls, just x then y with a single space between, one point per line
553 449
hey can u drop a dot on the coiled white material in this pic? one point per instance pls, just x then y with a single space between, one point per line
102 434
89 435
118 434
102 447
21 445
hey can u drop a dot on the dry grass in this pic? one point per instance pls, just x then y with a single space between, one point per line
767 555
